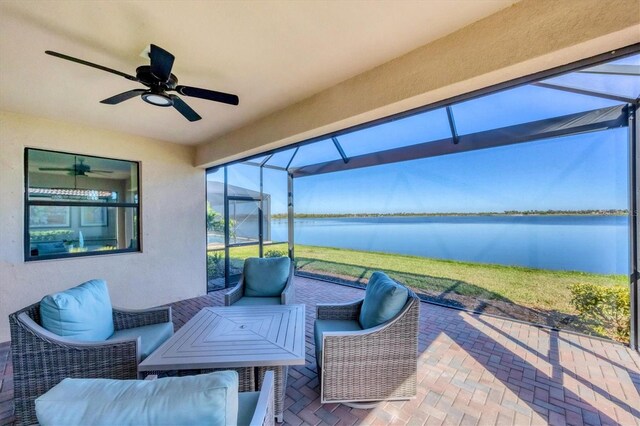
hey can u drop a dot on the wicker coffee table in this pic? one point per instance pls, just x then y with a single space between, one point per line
249 339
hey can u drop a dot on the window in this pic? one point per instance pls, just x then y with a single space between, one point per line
79 205
250 200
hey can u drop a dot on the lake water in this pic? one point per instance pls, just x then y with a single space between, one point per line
579 243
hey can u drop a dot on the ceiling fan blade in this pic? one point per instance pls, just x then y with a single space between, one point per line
99 171
161 63
123 96
90 64
184 109
210 95
55 169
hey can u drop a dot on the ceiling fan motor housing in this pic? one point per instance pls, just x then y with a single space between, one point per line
144 75
156 94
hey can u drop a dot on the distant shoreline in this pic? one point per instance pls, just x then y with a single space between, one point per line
611 212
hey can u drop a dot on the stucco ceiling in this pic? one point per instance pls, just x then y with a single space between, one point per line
270 53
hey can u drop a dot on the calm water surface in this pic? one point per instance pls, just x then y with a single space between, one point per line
580 243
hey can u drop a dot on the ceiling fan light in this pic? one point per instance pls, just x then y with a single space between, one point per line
158 99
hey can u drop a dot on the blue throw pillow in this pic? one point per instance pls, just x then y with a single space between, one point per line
80 313
383 300
265 277
203 399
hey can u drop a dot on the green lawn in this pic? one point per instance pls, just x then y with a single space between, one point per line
533 288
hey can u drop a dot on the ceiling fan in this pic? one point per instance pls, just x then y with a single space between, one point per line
159 80
78 169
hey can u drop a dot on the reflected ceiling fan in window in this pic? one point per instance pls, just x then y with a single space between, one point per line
159 80
77 169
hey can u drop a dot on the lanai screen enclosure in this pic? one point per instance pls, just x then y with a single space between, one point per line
519 200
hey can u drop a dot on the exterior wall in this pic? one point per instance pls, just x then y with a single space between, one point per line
528 37
172 264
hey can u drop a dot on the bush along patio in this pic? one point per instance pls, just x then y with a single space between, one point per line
593 304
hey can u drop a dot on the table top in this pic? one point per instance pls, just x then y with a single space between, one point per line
234 336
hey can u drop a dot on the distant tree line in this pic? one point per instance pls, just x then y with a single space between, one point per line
594 212
550 212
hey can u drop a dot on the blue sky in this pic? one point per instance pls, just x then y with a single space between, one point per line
587 171
570 173
577 172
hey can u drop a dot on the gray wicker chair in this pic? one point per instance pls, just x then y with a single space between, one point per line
237 292
369 365
42 359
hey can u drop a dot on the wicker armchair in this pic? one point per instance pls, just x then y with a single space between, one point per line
237 292
41 359
373 364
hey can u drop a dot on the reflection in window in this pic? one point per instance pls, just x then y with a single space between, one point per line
80 205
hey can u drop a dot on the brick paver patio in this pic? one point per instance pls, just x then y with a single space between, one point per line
472 370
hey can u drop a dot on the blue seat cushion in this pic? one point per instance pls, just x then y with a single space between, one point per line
265 277
250 301
151 336
80 313
321 326
247 403
210 399
383 300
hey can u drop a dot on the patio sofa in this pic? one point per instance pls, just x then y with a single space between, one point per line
77 334
264 281
211 399
366 351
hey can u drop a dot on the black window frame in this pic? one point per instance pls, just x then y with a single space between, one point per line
28 203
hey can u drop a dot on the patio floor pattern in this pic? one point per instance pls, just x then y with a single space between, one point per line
472 370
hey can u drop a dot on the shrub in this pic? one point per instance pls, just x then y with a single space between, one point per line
215 264
51 235
77 249
606 307
275 253
215 221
